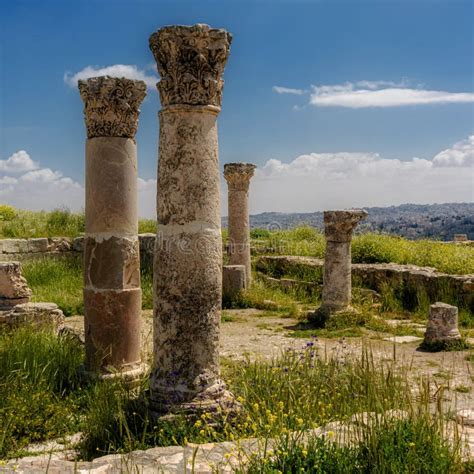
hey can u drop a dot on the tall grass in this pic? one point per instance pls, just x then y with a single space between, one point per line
59 280
21 224
296 391
40 387
392 447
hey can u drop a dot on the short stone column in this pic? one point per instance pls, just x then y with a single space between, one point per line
188 253
238 179
337 281
112 293
442 326
233 281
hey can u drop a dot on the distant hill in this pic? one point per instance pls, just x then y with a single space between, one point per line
414 221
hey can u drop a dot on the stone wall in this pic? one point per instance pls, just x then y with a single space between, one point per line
24 249
404 279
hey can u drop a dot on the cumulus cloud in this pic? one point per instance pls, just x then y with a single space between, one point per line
287 90
117 70
319 181
17 163
36 188
365 94
461 154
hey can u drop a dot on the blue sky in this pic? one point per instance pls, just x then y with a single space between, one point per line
379 54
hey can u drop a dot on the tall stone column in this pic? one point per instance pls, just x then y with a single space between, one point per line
238 179
112 293
188 254
337 281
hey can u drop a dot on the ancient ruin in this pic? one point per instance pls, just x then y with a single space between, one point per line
112 293
188 256
238 177
442 326
233 281
14 289
337 281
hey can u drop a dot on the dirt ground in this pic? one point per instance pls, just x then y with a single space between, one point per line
250 334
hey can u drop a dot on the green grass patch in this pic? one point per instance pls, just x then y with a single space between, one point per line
401 446
60 281
41 392
21 224
372 248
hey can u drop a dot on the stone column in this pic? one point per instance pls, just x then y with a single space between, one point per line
442 326
337 281
112 293
188 253
238 179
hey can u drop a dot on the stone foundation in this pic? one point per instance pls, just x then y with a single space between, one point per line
402 278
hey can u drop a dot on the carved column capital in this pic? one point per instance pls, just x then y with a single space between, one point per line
339 225
111 105
238 175
191 61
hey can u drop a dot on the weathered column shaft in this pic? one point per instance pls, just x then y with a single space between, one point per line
188 255
337 281
238 177
112 293
337 275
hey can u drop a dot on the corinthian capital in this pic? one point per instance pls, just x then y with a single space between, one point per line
238 175
191 61
111 105
339 225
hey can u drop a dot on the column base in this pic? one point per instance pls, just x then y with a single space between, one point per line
129 375
214 401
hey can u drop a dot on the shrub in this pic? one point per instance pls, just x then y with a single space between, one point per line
7 213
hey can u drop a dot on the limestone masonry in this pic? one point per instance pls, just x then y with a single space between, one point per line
112 293
238 177
338 228
188 255
13 286
442 324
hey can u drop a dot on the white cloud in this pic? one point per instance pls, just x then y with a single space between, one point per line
287 90
381 94
37 188
117 70
460 155
17 163
319 181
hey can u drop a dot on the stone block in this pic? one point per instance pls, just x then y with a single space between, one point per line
233 280
112 263
37 245
460 238
442 324
13 286
112 327
34 314
59 244
15 245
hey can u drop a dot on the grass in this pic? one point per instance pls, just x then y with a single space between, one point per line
21 224
59 280
283 398
401 446
41 392
371 248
